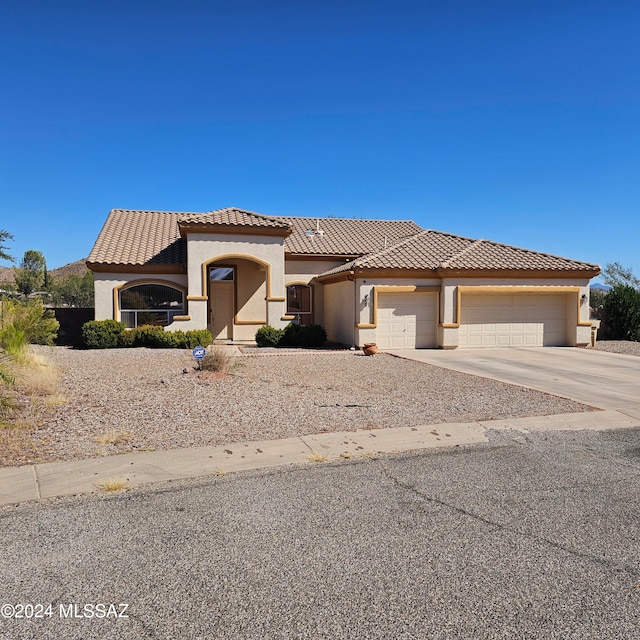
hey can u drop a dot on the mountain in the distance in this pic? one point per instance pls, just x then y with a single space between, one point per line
78 268
600 287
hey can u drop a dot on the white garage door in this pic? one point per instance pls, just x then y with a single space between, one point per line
407 320
513 320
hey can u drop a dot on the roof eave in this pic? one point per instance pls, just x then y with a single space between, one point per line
452 272
345 257
250 230
335 277
109 267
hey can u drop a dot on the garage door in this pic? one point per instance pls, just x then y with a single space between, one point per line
513 320
407 320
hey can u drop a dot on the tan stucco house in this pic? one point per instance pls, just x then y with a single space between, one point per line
383 281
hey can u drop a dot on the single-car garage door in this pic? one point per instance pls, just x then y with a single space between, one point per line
513 320
407 320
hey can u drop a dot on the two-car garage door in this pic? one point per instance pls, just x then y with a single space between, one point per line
407 320
512 320
410 320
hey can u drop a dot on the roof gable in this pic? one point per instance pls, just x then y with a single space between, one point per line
231 217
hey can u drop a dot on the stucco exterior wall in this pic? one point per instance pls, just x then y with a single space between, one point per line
203 248
308 269
250 292
339 316
260 293
260 290
303 272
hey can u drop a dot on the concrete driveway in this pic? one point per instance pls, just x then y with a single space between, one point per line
601 379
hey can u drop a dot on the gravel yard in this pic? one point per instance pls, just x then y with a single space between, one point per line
132 399
625 347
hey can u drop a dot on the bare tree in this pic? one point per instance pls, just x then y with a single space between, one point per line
614 273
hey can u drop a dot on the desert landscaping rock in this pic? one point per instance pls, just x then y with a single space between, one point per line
124 400
625 347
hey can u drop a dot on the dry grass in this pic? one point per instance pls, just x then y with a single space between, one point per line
114 437
314 456
17 443
36 376
7 406
29 391
219 361
111 485
55 400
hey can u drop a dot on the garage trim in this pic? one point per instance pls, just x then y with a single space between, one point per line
378 289
514 289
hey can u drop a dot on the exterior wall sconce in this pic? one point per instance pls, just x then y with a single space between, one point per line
583 298
366 300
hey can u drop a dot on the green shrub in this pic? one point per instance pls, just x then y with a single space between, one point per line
622 313
13 340
312 335
198 337
304 335
101 334
293 335
179 339
108 334
153 336
268 336
30 316
127 338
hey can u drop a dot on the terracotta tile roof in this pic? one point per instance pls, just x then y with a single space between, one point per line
140 237
153 237
235 218
426 250
485 254
344 236
437 251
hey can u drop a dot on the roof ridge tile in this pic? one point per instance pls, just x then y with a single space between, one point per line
458 255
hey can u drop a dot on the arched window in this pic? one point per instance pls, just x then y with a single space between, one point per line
150 304
299 302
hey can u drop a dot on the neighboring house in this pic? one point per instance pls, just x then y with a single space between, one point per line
383 281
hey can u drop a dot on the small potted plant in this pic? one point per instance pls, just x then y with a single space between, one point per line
370 349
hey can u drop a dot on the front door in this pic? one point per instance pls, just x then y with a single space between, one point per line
221 303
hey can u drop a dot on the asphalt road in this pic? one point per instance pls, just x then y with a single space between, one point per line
529 536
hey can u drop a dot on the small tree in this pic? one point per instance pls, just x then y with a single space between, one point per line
615 274
622 313
29 276
4 236
30 318
73 291
597 298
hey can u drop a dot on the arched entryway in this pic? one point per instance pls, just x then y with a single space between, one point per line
237 292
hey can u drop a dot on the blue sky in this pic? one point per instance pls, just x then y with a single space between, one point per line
512 121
